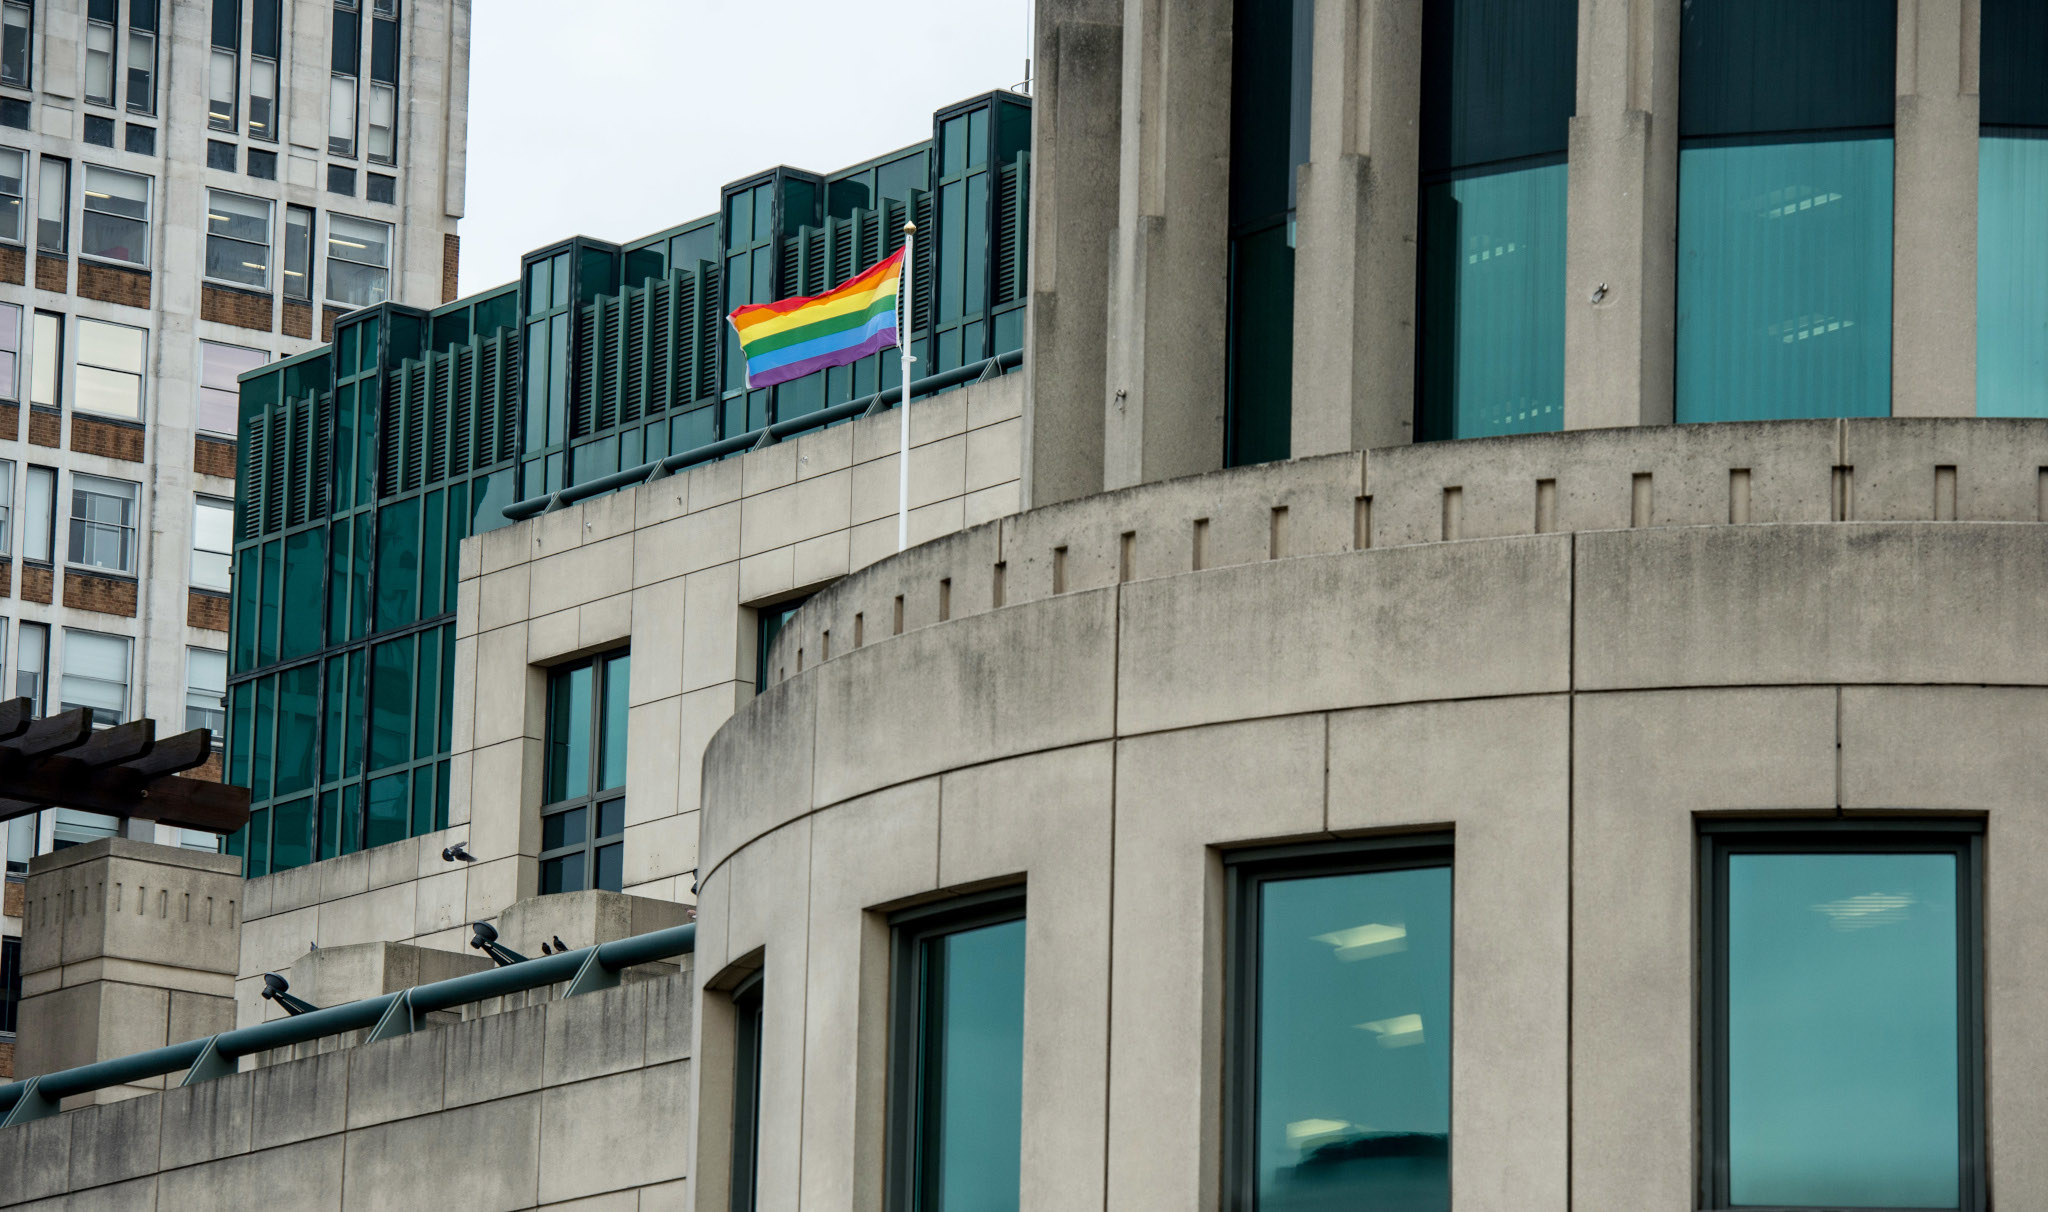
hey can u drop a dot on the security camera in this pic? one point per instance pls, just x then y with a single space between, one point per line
486 940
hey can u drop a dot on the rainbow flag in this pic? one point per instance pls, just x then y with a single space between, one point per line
791 338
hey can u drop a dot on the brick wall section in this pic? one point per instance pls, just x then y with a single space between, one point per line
107 595
53 274
208 610
36 583
327 318
44 427
298 320
241 308
113 284
108 438
10 421
213 457
6 578
451 265
13 264
11 903
7 1059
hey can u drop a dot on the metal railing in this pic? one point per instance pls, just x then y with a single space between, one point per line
767 435
387 1015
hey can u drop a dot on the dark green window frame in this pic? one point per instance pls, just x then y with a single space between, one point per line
911 1077
583 841
749 1019
1719 839
768 624
1245 871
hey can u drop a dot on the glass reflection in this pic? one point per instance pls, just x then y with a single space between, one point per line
1354 1042
971 1096
1785 280
1843 1045
2012 275
1493 304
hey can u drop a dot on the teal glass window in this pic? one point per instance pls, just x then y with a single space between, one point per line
1271 53
958 1075
583 814
769 622
1785 210
1842 1038
1497 100
2012 195
748 1022
1340 1028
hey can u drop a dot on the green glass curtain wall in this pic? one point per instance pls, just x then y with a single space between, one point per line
1497 99
2012 197
1353 1041
1272 56
1785 209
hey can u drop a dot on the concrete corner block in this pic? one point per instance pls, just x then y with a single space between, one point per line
208 1121
495 1056
396 1079
757 769
299 1099
581 919
671 1016
115 1141
1925 469
35 1159
586 1154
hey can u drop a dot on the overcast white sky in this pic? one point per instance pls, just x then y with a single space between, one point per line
617 118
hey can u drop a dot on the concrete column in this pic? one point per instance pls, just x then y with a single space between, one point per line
1354 265
1075 113
1168 289
1622 220
125 946
1934 212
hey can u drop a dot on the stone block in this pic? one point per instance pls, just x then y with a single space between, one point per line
502 598
495 885
995 455
397 1079
1895 468
336 975
137 1195
584 918
657 630
496 1056
1802 605
754 791
394 862
690 543
505 789
346 875
671 1018
824 451
713 484
299 1099
769 575
660 848
763 471
711 627
587 1154
400 1164
606 622
274 942
597 1033
115 1141
307 1175
379 915
207 1121
35 1159
1415 623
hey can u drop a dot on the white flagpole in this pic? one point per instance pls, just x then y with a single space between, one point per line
903 332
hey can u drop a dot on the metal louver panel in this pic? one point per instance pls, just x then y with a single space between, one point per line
463 409
583 383
440 408
633 306
415 422
1012 182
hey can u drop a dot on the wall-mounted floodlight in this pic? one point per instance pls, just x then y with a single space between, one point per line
276 989
486 941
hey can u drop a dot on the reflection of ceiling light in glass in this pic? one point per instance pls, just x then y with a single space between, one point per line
1400 1031
1367 941
1303 1132
1863 912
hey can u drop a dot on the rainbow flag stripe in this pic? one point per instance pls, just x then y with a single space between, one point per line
791 338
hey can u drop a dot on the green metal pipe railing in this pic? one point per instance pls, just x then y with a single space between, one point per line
386 1015
521 510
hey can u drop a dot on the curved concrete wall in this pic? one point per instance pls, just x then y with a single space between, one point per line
1567 703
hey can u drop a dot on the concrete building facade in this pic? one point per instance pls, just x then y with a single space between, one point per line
1629 798
192 188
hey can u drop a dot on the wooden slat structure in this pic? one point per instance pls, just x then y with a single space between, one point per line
59 761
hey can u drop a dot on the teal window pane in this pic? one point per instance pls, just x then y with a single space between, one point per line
335 730
247 626
974 250
692 429
764 274
612 724
1010 330
298 709
426 714
458 529
369 355
305 575
977 138
391 689
291 840
266 619
433 536
422 799
1843 1035
366 446
241 700
447 688
536 354
263 748
441 796
568 759
971 1069
953 146
1785 280
558 379
952 247
1492 305
389 809
1353 1041
398 564
337 582
330 825
342 474
487 507
764 213
359 578
346 343
560 297
259 844
539 287
1259 414
600 274
2012 274
352 753
351 818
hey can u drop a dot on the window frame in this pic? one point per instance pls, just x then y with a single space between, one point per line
269 244
593 799
750 1015
112 98
140 376
28 77
20 195
59 167
7 467
77 527
39 700
1717 839
220 711
390 237
10 384
203 501
1244 873
127 672
909 930
147 220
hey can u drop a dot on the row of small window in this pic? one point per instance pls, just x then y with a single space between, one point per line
108 369
114 226
1841 1055
104 31
224 71
94 673
102 535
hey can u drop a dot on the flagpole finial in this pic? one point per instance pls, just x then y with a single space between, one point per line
909 227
